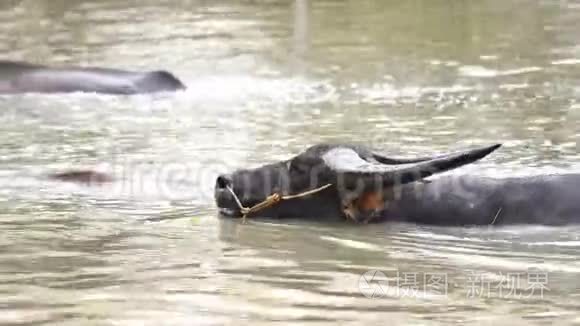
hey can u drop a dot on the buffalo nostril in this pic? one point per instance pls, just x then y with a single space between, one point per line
223 182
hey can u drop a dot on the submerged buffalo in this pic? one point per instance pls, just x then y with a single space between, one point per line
352 182
19 77
88 177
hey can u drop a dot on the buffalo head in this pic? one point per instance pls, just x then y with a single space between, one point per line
360 181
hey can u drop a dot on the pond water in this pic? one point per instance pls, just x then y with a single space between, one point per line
265 80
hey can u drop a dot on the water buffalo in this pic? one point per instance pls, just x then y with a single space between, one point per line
88 177
368 187
20 77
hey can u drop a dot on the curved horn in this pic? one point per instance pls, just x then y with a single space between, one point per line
347 162
404 160
399 160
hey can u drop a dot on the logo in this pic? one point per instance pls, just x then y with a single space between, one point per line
373 284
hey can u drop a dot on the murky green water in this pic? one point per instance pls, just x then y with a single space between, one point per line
267 79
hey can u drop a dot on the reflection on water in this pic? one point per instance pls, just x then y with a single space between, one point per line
267 79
